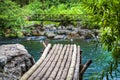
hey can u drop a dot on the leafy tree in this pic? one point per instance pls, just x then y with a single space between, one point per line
11 21
106 13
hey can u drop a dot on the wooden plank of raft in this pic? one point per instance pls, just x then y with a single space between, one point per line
57 64
66 68
72 66
35 73
63 63
76 73
50 62
55 71
36 65
52 67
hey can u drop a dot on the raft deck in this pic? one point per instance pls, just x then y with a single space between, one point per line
58 62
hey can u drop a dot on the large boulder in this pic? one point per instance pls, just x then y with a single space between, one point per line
14 61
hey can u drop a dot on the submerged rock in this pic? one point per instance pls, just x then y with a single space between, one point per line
14 61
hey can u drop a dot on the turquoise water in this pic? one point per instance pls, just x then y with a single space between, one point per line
90 49
34 48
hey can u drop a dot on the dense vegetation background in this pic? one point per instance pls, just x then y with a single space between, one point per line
18 16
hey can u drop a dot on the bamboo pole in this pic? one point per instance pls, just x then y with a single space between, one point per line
72 66
80 75
83 69
67 65
44 44
43 71
80 57
42 65
86 66
56 68
36 65
61 62
77 68
81 66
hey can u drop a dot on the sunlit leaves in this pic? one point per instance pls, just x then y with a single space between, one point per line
107 13
10 18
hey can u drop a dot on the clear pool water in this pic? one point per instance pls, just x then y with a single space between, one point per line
91 50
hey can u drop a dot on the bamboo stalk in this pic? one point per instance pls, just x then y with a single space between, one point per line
38 70
67 66
44 44
50 62
80 75
80 57
76 74
36 65
54 71
72 66
85 66
61 62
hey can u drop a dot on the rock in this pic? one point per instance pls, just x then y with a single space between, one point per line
3 60
59 37
82 37
14 61
50 34
76 29
70 27
35 33
73 35
63 32
41 33
50 27
61 27
7 33
54 28
96 32
88 34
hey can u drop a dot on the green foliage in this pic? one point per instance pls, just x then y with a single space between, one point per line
63 12
11 19
15 14
106 13
14 19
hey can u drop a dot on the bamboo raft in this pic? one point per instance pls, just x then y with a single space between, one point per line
60 62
